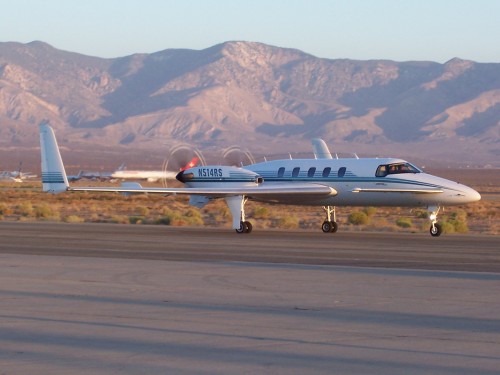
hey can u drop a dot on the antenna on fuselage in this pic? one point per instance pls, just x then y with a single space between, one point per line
320 149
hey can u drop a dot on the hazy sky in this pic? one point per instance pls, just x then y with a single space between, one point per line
400 30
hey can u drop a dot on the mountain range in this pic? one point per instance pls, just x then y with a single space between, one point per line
265 98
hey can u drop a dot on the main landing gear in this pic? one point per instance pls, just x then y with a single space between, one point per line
236 205
435 229
329 225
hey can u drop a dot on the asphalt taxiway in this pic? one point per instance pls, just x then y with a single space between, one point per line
123 299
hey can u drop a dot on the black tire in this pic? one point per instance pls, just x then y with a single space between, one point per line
326 227
335 227
245 227
242 228
248 226
436 230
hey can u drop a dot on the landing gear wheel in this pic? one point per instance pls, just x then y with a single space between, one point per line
248 226
335 227
245 227
326 227
242 228
329 225
436 230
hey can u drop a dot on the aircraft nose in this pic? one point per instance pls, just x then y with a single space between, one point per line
471 195
475 196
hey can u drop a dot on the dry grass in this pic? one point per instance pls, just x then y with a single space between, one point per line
28 203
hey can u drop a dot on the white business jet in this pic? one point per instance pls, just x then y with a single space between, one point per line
322 181
150 176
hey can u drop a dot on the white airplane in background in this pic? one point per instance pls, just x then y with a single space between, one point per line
124 174
151 176
322 181
89 175
16 176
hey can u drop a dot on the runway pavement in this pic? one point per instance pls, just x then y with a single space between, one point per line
123 299
400 250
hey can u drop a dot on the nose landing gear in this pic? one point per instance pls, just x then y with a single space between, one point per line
435 229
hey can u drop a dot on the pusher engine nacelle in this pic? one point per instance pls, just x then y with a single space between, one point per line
207 176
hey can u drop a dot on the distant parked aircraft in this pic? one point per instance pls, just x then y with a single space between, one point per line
151 176
16 176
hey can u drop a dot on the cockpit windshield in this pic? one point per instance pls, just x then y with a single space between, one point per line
396 168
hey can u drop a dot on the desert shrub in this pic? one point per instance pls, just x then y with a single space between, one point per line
421 214
164 210
492 213
404 222
92 208
288 222
164 220
460 226
192 216
25 209
370 211
261 212
172 216
143 211
459 215
5 210
73 219
119 219
94 218
456 223
44 211
135 219
447 227
358 218
221 211
458 220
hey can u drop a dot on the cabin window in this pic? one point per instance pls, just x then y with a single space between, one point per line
396 168
326 172
281 172
381 171
311 172
295 172
341 171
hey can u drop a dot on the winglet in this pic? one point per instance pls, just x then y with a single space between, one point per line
54 177
320 149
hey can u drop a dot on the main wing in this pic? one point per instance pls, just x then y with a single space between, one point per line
259 191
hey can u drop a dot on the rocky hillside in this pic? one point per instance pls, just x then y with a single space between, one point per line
251 94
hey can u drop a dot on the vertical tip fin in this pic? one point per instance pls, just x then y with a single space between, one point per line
320 149
54 179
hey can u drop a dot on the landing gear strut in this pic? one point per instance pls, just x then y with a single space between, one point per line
435 229
329 225
236 205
